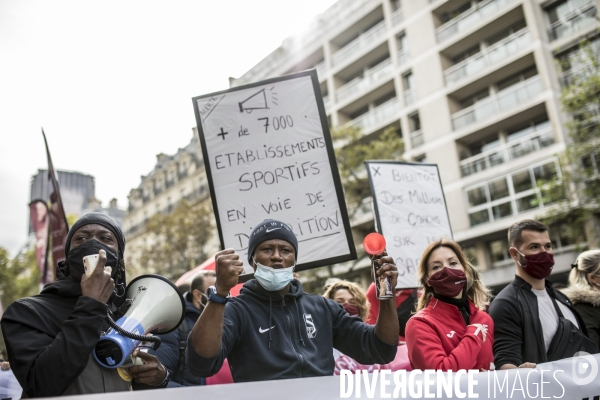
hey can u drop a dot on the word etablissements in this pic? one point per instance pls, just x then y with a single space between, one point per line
572 378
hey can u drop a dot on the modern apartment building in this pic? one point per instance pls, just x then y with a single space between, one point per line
472 85
175 177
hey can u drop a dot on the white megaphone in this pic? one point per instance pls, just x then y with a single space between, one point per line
156 306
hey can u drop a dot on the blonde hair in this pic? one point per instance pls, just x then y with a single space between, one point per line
355 291
587 263
476 290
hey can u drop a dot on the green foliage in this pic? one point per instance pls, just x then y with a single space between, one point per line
351 158
574 195
19 278
178 240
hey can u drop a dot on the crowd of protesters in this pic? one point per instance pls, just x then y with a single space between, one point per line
275 330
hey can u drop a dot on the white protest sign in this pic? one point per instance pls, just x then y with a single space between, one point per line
268 155
410 209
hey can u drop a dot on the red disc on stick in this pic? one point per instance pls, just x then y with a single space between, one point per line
374 243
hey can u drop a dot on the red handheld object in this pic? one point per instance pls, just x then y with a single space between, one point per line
374 243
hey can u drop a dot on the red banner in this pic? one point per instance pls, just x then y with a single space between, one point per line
58 220
38 215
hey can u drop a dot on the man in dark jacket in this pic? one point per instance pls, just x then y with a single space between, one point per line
524 313
171 352
273 330
50 337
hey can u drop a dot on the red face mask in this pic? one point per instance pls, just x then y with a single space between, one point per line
538 266
448 282
351 309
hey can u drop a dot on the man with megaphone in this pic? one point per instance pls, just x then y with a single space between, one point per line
273 330
50 337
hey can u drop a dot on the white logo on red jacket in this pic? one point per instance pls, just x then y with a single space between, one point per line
311 329
451 334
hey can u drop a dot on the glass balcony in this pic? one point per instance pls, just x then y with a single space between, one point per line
397 17
488 57
470 18
416 138
320 67
377 115
409 97
403 56
502 101
582 72
535 141
370 78
580 18
326 101
353 48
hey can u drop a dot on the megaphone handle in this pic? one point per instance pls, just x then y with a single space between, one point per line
142 338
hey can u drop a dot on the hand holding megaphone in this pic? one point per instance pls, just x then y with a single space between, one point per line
98 285
150 371
228 269
385 273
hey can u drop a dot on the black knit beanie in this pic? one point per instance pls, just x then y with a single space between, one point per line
270 229
100 219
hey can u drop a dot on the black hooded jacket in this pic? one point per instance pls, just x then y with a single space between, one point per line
269 336
49 339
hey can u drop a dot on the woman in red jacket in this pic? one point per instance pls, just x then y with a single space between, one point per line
450 330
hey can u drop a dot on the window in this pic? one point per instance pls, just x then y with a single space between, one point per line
416 136
471 254
510 194
408 83
567 16
498 250
422 158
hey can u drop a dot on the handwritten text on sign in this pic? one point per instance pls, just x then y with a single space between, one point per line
269 159
411 212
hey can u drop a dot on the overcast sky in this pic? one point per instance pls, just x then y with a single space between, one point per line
111 82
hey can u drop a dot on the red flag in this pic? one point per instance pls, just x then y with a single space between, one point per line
38 214
58 220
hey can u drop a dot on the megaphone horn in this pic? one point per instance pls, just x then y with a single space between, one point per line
156 307
258 101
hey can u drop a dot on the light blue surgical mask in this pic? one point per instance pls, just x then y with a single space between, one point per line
272 279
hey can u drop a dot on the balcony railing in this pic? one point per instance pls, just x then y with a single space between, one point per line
489 56
409 97
353 48
469 18
403 56
320 67
503 100
377 115
574 21
372 76
326 101
416 138
582 72
397 17
535 141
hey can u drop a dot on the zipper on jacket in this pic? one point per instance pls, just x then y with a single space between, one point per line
291 326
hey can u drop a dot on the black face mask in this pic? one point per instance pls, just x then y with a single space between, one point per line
91 247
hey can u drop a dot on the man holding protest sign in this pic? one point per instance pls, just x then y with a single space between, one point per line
273 330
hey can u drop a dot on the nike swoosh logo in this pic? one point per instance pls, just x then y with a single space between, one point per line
271 230
261 330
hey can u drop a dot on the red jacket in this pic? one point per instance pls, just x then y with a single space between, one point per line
438 338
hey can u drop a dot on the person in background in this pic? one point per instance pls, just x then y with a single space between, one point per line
350 296
584 291
526 312
171 352
450 330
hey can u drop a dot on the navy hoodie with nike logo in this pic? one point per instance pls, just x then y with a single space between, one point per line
269 336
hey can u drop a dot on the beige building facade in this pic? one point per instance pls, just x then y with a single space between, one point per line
175 177
472 85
